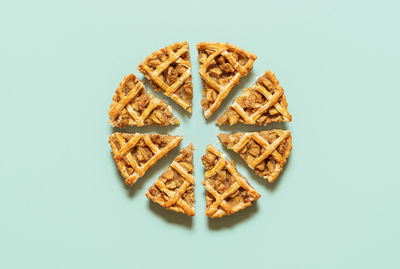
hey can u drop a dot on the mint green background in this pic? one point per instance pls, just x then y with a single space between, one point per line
62 201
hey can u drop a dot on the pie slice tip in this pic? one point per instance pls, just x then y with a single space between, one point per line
260 104
174 189
136 153
227 191
265 152
222 65
132 105
169 70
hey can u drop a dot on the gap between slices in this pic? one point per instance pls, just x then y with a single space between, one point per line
169 70
265 152
227 191
261 103
174 189
133 106
134 154
221 67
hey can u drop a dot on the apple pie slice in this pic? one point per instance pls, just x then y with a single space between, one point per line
169 70
133 106
174 189
227 190
265 152
221 67
262 103
134 154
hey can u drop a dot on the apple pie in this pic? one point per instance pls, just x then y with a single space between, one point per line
169 70
227 190
265 152
133 106
134 154
174 189
262 103
221 67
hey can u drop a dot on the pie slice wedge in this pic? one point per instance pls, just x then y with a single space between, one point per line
133 106
262 103
134 154
174 189
169 70
227 191
221 67
265 152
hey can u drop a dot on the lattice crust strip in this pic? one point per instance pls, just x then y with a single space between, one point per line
174 189
169 70
262 103
134 154
265 152
227 190
221 67
133 106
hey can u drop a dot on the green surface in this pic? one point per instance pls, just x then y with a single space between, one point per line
62 200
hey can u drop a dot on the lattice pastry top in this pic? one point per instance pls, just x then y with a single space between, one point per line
221 67
133 106
227 190
262 103
169 70
265 152
134 154
174 189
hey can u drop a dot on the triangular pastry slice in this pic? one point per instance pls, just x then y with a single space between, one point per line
169 70
265 152
174 189
134 154
227 190
262 103
133 106
221 67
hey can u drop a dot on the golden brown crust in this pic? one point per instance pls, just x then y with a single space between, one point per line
265 152
221 67
133 106
169 70
134 154
174 189
227 190
260 104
